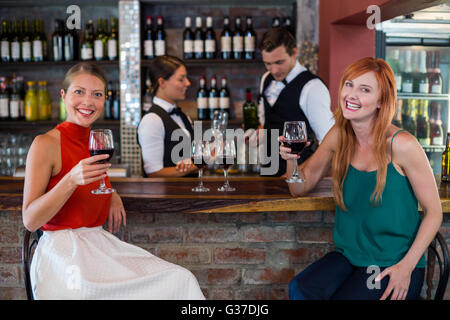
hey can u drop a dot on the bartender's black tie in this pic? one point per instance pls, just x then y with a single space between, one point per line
284 82
176 111
184 118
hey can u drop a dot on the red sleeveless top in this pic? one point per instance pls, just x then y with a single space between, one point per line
82 209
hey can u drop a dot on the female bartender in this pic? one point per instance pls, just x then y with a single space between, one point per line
169 84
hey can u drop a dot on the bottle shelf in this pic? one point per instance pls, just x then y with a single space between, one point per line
433 148
209 62
428 96
60 63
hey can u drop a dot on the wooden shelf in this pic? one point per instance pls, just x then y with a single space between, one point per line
210 62
113 63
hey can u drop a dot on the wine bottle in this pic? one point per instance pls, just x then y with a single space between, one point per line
21 92
188 39
202 100
250 111
148 97
31 103
43 101
116 105
407 80
199 39
287 24
5 43
393 61
409 115
14 102
210 40
213 97
38 43
249 40
149 38
226 39
436 77
422 76
423 123
70 44
238 40
57 42
44 40
276 22
445 173
109 102
99 50
160 37
26 42
87 46
113 41
224 97
397 120
4 100
436 130
16 43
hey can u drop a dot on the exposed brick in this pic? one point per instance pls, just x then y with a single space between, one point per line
267 233
212 234
10 275
278 293
250 217
185 255
220 294
10 255
9 235
217 276
300 255
251 293
155 234
14 293
316 235
239 256
313 216
267 276
170 218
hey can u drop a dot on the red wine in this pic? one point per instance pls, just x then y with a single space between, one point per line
199 162
296 146
227 162
96 152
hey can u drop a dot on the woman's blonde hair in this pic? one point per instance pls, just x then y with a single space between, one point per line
346 137
83 67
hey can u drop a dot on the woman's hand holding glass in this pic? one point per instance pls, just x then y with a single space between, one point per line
294 140
89 170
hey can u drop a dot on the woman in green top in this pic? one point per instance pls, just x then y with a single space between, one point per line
377 183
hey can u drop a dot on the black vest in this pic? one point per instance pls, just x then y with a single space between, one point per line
169 127
286 108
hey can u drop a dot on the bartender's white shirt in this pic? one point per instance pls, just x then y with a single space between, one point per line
314 101
151 136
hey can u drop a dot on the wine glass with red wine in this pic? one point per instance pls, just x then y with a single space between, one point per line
295 138
200 155
101 142
226 155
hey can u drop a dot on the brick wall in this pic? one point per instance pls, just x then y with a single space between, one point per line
234 256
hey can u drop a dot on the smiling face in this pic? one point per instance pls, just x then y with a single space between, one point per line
174 89
84 99
278 62
359 98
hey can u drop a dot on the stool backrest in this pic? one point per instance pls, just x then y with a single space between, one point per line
437 252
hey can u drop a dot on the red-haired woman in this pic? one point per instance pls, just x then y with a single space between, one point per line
380 173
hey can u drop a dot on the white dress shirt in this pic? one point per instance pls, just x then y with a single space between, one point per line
151 136
314 101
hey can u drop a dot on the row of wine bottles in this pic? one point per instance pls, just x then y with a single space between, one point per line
416 71
26 41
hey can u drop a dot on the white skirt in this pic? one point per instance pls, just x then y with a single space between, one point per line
91 263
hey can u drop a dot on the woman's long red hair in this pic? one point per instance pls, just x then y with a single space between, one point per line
346 136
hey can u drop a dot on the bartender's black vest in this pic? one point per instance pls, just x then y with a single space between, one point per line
169 127
286 108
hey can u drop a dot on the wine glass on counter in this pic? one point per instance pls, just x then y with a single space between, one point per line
295 138
200 156
226 156
101 142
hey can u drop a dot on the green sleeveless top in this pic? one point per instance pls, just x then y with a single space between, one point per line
376 235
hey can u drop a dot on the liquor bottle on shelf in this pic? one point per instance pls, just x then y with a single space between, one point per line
21 92
116 104
57 41
109 102
397 121
202 100
43 100
38 42
62 110
99 47
149 38
276 22
421 78
5 43
445 173
31 102
4 99
160 37
249 40
14 101
188 39
423 123
112 43
393 61
70 44
407 80
435 76
226 40
210 39
250 111
16 40
409 115
147 100
238 40
87 46
436 130
287 24
26 42
41 31
213 97
224 97
199 39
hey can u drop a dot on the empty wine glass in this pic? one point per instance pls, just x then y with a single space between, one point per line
200 155
101 142
295 138
226 155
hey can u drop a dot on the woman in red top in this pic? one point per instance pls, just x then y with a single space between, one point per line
76 258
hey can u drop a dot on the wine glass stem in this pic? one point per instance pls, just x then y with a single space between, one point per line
200 176
294 172
102 184
225 172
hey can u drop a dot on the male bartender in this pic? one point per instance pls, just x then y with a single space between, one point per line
289 92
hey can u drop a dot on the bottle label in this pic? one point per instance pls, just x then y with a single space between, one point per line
15 50
225 44
160 47
423 88
37 49
438 140
407 87
202 103
86 53
98 49
4 107
238 44
198 45
148 48
26 50
188 46
5 49
14 109
436 88
67 52
210 45
213 103
249 44
224 103
112 49
56 56
22 108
